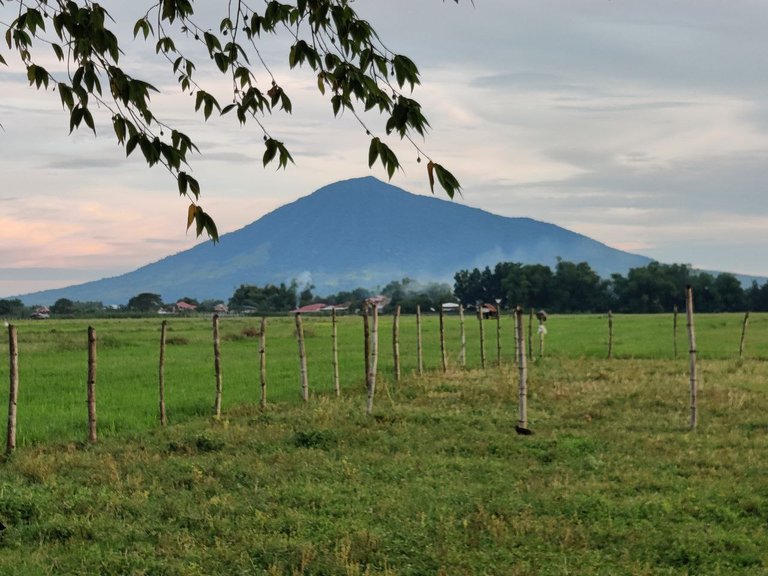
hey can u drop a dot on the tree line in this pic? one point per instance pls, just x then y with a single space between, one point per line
576 287
570 287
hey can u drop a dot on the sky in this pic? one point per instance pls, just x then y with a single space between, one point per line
640 123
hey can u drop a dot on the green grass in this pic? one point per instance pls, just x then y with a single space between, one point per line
53 360
435 482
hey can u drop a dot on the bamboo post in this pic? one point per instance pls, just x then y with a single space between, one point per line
263 362
335 340
674 334
743 333
419 348
530 334
610 334
374 358
482 334
366 341
91 384
516 331
396 342
443 356
691 354
498 332
13 349
463 351
522 367
542 333
302 358
217 366
161 372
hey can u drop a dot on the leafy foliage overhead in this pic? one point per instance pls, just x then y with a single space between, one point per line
355 71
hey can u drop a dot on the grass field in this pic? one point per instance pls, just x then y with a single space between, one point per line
436 482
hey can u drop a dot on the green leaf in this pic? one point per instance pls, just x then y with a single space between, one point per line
447 180
373 152
270 152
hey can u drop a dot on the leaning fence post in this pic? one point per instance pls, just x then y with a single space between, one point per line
419 348
522 366
743 333
674 334
91 384
217 366
498 332
161 372
335 340
443 355
373 362
610 334
13 346
691 354
480 307
463 352
396 342
263 362
302 358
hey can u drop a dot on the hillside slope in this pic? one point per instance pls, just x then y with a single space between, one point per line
359 232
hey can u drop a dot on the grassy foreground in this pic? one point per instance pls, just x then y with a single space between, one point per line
435 482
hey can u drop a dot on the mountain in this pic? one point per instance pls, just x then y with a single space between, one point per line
355 233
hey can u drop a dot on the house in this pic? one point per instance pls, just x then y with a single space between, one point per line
311 308
41 313
182 306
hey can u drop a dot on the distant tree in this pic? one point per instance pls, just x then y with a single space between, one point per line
269 298
353 298
63 307
12 308
578 288
209 305
353 69
730 293
145 302
306 296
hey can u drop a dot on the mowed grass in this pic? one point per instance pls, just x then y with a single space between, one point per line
436 481
53 360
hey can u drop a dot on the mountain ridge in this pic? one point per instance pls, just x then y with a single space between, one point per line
352 233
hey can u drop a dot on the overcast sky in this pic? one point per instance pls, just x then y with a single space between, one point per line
640 123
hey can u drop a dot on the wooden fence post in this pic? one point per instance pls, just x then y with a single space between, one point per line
263 362
366 341
161 372
217 366
743 333
373 363
522 366
419 348
302 358
335 340
463 351
482 334
91 384
443 356
530 334
13 349
610 334
674 334
691 354
498 332
396 342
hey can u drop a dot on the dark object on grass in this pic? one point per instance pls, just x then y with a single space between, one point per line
523 431
2 526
